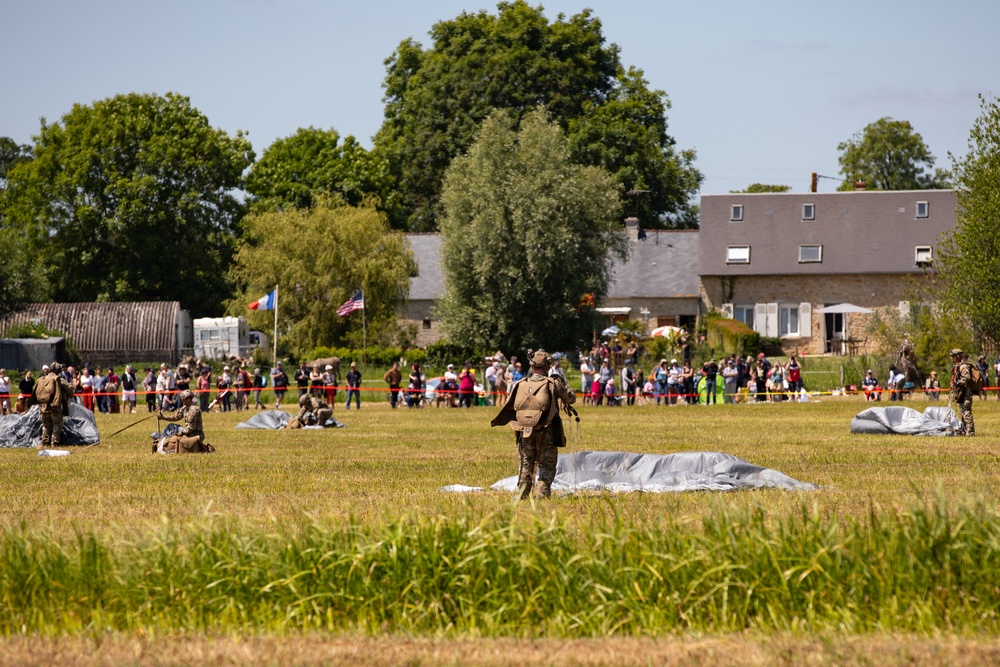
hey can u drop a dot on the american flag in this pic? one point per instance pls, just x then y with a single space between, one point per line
356 302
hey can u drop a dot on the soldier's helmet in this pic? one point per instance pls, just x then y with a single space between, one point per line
956 352
540 359
187 395
304 400
55 367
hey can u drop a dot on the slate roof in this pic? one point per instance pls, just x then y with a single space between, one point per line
664 265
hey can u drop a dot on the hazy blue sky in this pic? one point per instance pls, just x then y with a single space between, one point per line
762 90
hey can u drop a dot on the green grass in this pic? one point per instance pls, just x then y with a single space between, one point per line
345 530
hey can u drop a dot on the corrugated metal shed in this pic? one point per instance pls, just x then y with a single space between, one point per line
33 353
113 332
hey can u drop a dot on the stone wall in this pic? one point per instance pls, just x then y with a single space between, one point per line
883 293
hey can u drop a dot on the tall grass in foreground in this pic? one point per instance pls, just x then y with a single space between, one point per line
926 570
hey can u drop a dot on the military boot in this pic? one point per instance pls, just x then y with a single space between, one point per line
544 489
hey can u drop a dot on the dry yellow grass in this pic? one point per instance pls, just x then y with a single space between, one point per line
387 463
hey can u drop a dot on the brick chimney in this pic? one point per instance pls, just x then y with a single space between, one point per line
859 186
632 227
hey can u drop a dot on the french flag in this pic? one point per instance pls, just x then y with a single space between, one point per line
265 302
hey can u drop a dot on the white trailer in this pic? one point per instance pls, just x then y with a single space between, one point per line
221 338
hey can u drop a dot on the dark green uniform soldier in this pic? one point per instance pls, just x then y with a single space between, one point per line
532 410
317 407
52 394
960 392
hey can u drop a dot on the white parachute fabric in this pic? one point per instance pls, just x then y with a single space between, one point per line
897 419
278 419
660 473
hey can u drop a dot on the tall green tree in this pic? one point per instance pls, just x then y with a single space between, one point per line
627 135
527 234
319 257
132 198
293 172
17 285
968 259
516 60
889 156
11 154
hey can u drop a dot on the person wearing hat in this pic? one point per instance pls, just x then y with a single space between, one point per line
191 436
52 394
393 377
960 390
587 371
711 370
533 412
730 380
331 383
870 386
354 385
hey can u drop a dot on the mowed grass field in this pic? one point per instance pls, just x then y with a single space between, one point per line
251 519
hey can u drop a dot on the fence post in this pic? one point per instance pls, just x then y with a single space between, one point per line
842 383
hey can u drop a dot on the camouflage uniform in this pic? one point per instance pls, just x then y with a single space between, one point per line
53 410
961 393
192 434
315 406
538 445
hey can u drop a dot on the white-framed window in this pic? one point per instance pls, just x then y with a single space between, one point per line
924 255
810 254
923 209
744 314
809 211
738 254
788 320
736 213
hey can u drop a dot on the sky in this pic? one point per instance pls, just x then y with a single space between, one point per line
762 91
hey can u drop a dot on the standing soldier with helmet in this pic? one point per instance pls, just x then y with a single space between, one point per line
961 391
52 394
533 411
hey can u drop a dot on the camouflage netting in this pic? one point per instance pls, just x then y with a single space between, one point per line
25 430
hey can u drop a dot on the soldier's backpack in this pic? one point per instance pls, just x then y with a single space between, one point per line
532 405
976 380
47 391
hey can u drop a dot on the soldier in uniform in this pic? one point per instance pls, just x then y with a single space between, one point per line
533 412
192 434
317 407
52 394
960 392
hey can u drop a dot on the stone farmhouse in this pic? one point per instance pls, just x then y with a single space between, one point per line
773 260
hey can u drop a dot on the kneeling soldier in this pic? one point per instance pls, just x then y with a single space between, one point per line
317 407
192 435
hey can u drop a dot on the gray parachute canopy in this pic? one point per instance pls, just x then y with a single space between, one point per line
906 421
659 473
277 419
25 430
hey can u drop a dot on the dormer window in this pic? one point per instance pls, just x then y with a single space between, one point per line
809 211
736 213
738 254
924 255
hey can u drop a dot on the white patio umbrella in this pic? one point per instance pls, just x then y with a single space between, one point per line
844 308
668 332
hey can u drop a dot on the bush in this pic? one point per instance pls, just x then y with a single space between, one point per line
374 356
444 352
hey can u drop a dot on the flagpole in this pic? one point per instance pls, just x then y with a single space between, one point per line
364 332
274 352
